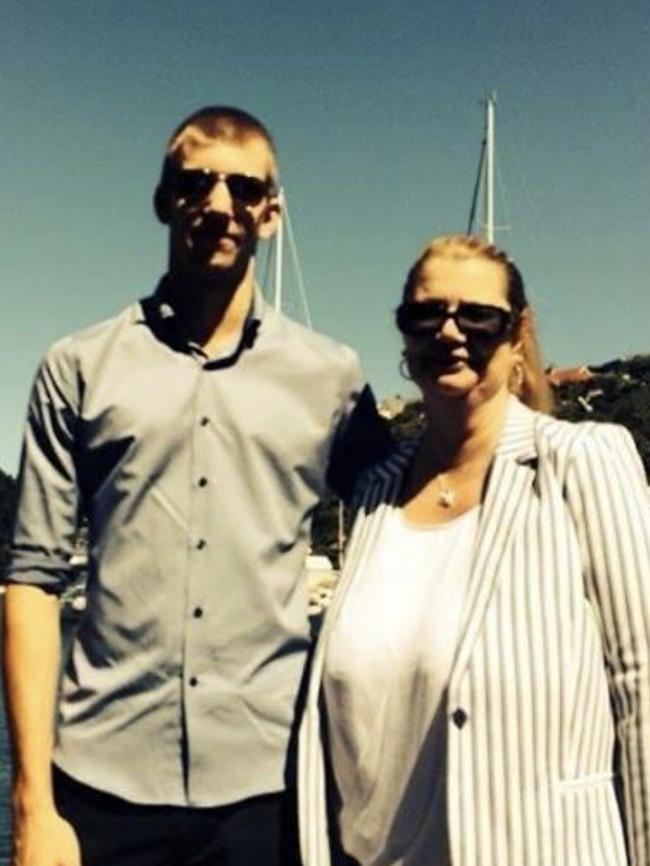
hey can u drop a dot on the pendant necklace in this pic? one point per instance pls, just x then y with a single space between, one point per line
446 494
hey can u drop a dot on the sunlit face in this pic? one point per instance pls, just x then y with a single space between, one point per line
448 362
219 233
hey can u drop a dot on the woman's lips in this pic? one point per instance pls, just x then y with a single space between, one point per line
449 368
443 364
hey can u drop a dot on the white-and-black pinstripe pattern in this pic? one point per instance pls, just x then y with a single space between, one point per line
549 695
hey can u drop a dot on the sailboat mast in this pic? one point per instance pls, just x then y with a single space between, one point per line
488 185
279 254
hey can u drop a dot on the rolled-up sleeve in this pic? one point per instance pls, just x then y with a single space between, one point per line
48 501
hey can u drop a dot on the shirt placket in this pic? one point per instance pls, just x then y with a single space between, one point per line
202 487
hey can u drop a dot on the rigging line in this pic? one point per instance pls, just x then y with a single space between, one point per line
296 264
270 248
477 189
502 197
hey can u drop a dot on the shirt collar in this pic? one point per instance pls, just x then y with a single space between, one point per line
159 314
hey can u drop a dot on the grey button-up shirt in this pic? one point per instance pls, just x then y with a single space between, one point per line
199 477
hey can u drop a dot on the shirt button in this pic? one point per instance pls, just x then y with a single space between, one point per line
204 421
197 613
203 481
459 717
193 681
201 543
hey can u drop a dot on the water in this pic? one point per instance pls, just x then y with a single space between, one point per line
5 775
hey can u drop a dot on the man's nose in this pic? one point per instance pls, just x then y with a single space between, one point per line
220 200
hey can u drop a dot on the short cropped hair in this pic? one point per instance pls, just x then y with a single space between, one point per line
217 122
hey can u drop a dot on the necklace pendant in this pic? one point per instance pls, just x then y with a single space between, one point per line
447 497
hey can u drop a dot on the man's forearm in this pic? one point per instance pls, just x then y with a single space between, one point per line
31 659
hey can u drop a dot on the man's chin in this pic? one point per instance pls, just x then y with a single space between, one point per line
221 263
216 265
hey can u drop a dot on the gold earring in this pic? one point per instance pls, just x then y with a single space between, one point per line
516 383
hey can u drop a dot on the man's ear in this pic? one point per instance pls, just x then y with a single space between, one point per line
269 220
162 204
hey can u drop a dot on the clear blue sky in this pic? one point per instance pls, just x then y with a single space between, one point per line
375 109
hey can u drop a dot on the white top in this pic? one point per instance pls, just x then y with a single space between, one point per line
386 670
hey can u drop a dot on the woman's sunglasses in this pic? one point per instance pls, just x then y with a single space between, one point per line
422 318
192 185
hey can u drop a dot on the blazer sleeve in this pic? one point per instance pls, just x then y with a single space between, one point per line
608 495
47 505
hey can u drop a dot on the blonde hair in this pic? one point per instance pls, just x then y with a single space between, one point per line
217 122
532 385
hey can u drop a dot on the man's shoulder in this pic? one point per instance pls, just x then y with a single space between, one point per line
78 342
300 339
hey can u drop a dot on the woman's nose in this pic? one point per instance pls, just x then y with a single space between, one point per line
451 331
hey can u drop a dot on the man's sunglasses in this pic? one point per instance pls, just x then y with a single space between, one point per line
193 185
421 318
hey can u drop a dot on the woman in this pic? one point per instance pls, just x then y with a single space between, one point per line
484 669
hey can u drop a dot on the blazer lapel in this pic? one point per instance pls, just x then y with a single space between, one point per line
509 485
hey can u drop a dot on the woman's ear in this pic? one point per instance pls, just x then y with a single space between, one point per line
522 333
520 336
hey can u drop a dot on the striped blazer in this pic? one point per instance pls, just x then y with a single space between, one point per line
548 703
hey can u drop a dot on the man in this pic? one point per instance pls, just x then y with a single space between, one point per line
197 431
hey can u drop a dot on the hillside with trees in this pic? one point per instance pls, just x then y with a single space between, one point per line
618 391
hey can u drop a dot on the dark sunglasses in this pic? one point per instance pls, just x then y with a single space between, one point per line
419 318
193 185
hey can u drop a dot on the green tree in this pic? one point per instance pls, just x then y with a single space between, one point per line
618 392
